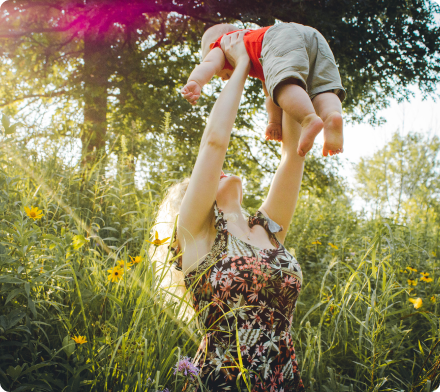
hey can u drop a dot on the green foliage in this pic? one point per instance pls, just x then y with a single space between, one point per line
403 178
54 283
102 65
354 328
361 327
8 127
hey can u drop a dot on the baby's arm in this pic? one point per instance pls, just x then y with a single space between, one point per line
202 74
275 117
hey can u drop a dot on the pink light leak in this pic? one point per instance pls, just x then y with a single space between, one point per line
98 18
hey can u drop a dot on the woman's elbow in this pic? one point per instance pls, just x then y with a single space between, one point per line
215 142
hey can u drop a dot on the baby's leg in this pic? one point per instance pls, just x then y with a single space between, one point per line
328 107
295 101
274 117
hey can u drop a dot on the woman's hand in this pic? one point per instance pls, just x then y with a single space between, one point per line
234 49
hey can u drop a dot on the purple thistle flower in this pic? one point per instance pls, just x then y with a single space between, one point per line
187 368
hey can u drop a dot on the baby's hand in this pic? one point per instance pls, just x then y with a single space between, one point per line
191 92
273 132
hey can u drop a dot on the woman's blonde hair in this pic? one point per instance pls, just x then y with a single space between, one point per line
171 279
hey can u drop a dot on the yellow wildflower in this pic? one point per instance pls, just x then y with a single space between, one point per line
316 242
33 213
412 282
135 260
115 274
426 279
411 269
417 302
157 241
433 299
434 254
79 339
123 264
424 274
333 246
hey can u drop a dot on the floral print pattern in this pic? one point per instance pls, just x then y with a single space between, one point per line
245 298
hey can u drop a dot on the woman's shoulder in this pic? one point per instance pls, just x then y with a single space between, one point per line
262 218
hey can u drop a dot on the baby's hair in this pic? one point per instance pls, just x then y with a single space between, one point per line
213 33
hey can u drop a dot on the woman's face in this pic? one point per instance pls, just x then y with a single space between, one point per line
229 188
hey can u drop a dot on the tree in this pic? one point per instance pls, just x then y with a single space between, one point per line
106 63
402 175
83 58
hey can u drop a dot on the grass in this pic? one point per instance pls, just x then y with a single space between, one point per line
354 330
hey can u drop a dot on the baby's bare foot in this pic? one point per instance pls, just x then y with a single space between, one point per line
311 126
333 137
273 132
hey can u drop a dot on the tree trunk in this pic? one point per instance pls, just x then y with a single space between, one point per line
96 76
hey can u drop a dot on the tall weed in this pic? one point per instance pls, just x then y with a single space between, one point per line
355 328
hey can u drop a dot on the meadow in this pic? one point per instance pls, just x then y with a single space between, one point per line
82 307
98 132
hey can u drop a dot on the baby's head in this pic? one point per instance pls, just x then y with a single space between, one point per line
213 33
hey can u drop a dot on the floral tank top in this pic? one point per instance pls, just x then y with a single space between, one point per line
245 298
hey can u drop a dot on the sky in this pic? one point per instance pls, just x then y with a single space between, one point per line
363 140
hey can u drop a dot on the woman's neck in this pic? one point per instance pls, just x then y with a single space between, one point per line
231 206
233 213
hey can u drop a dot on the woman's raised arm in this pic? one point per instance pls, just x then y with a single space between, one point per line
196 209
284 190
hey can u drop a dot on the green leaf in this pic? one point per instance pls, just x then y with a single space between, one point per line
110 239
131 212
23 388
117 300
10 279
421 349
6 122
27 288
13 294
4 323
38 366
31 305
68 345
15 317
14 372
3 250
78 241
12 129
110 228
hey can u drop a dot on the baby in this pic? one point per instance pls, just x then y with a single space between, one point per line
299 76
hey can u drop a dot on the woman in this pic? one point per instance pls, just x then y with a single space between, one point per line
243 282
